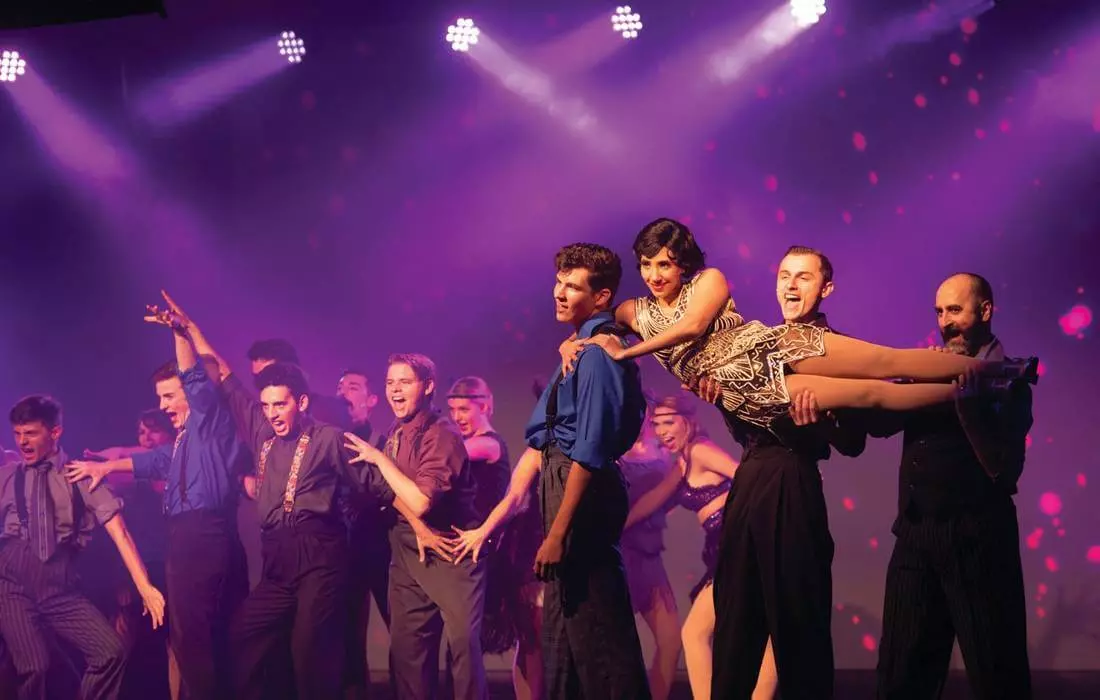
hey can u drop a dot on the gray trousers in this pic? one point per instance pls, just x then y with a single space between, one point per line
590 645
428 601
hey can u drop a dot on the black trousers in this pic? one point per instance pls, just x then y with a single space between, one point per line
774 577
368 577
590 645
207 577
300 603
427 602
955 577
37 598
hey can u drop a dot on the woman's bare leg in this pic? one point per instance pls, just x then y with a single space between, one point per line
832 393
697 635
174 678
527 681
664 622
768 680
849 358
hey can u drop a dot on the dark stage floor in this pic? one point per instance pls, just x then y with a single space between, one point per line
860 685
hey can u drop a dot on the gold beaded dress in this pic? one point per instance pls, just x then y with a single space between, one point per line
747 359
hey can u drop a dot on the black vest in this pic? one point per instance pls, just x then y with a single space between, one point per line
940 473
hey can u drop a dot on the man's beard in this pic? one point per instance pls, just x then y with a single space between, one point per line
956 341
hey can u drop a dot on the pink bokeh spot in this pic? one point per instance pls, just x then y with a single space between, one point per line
920 100
955 59
980 133
973 96
1076 320
1051 563
848 503
968 26
944 80
846 217
1040 613
1082 480
1050 504
780 216
743 251
855 619
1027 442
1005 126
771 183
1092 556
859 141
873 177
1035 538
1043 589
874 543
869 642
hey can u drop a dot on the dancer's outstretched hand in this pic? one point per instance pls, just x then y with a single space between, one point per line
468 542
178 312
612 345
364 451
569 349
153 600
77 470
428 539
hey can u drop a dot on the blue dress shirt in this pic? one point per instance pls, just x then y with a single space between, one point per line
600 406
209 455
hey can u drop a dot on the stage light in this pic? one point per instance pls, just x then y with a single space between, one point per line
626 22
462 34
807 12
292 46
11 66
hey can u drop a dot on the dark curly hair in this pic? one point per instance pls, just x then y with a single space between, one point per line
605 269
674 236
284 374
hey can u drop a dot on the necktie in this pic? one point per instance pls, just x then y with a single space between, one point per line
183 464
42 535
393 444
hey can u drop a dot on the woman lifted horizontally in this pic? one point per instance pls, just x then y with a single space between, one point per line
690 324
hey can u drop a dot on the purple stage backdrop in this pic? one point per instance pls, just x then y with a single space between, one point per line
389 194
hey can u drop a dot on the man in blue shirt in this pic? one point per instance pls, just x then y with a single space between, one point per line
584 421
206 569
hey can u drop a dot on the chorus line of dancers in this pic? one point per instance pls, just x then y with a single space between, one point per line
554 555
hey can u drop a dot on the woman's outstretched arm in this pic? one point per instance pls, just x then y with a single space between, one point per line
711 295
653 499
